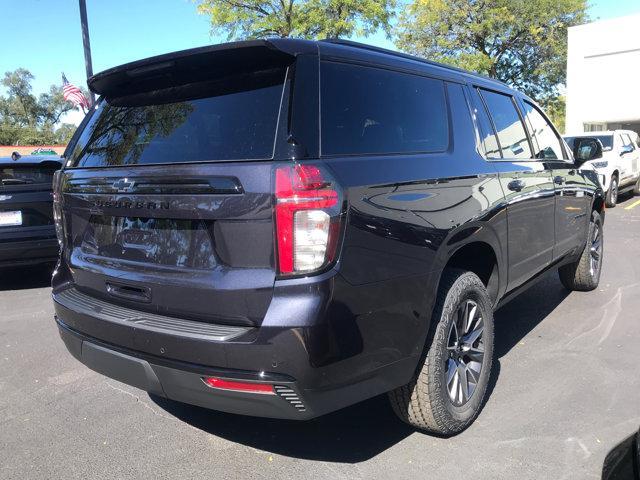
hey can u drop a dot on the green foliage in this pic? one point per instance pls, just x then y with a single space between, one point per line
520 42
27 120
555 108
302 19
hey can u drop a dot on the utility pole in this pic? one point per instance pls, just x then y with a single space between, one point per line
86 44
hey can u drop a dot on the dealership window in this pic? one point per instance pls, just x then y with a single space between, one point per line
594 127
545 141
511 133
366 110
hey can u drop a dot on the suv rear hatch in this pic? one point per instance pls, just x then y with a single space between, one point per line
167 195
25 198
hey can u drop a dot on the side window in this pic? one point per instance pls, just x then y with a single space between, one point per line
487 133
366 110
511 133
626 141
545 140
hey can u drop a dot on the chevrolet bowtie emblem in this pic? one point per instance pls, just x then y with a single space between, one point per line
123 185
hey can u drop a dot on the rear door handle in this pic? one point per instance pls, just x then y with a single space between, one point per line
516 185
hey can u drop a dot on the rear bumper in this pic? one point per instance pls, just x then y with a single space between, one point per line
314 369
28 251
183 382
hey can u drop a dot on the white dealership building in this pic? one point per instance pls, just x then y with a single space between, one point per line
603 75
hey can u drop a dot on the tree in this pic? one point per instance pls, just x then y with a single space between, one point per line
20 106
53 105
250 19
520 42
25 119
63 133
555 108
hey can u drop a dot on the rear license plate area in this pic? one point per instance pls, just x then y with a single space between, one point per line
11 218
159 241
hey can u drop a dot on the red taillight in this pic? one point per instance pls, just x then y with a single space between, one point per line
307 218
57 206
234 386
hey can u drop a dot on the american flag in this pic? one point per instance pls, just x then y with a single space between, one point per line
73 94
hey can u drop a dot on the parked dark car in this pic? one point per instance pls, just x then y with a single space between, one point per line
283 228
27 229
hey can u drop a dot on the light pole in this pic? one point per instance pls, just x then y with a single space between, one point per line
86 44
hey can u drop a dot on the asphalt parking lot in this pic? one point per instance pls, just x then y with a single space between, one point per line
566 391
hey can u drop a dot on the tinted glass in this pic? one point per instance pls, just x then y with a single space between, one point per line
545 140
226 119
511 132
27 175
606 140
369 110
487 134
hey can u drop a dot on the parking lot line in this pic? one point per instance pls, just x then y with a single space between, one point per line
634 204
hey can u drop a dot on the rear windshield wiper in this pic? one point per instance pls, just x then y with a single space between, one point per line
14 181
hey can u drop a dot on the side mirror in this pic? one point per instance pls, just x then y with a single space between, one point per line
586 148
626 149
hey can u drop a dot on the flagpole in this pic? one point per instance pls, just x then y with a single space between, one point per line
86 44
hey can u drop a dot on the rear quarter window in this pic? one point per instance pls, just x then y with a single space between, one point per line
366 110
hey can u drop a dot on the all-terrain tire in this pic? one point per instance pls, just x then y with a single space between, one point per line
584 274
424 402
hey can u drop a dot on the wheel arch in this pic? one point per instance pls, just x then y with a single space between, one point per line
598 204
479 257
479 247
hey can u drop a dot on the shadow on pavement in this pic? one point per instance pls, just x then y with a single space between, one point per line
364 430
23 278
353 434
517 318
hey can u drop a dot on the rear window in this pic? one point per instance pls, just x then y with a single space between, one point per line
232 118
367 110
27 175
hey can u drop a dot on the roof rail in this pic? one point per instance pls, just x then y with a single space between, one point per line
364 46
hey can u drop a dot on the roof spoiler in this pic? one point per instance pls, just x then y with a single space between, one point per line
189 66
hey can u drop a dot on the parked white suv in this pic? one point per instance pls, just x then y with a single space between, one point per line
619 167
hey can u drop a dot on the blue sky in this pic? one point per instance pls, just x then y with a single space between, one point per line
44 35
